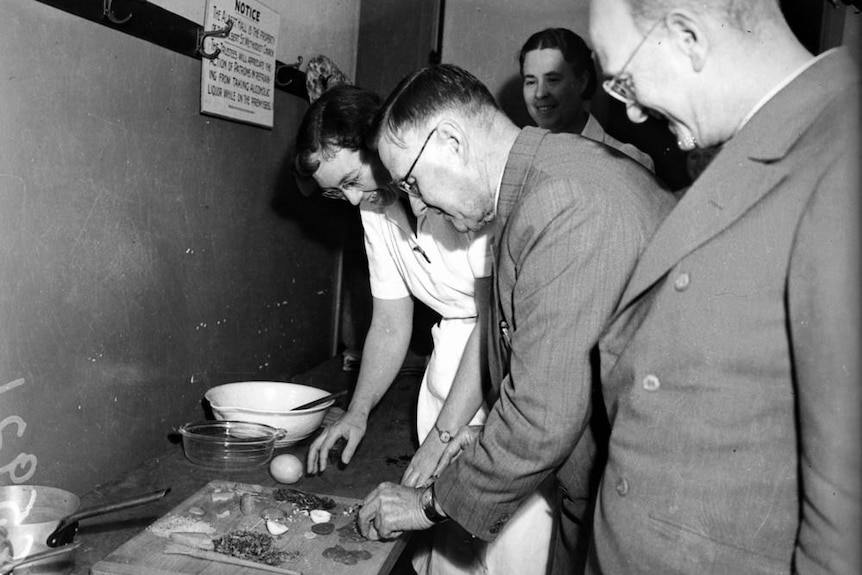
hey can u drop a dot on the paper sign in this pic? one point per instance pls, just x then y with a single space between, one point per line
240 82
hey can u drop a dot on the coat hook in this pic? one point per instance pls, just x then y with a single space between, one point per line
284 73
202 35
108 12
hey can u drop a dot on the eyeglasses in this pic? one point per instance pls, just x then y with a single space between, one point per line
339 195
333 195
355 183
403 184
621 86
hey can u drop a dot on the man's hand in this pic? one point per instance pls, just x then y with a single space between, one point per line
350 427
390 510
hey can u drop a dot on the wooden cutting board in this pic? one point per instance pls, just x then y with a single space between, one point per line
218 504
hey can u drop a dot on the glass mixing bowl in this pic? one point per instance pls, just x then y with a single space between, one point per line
229 445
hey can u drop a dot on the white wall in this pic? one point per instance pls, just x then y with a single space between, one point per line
484 37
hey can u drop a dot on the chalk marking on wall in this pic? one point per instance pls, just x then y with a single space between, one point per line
24 461
13 177
12 385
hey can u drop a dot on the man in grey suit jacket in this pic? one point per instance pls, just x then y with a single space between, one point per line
731 372
573 215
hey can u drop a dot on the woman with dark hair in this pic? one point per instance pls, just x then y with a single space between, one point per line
559 77
412 252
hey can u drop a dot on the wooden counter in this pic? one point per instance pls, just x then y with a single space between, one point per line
383 456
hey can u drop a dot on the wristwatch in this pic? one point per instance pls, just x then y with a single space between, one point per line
428 506
444 436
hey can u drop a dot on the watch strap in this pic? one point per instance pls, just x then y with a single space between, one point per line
429 507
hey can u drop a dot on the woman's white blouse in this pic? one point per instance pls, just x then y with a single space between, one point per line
438 265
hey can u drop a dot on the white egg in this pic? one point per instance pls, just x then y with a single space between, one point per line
286 468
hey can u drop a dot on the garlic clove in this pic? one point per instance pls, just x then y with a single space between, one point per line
276 527
320 516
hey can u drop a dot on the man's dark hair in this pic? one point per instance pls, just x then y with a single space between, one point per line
429 91
575 52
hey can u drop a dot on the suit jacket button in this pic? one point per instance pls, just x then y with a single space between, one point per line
622 486
651 383
681 282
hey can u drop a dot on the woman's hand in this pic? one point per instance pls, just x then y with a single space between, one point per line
350 427
466 436
420 472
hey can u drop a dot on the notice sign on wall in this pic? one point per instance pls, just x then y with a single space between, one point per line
240 82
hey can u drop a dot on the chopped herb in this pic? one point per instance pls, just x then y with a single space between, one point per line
249 545
303 501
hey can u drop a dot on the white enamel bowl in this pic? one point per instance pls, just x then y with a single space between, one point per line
270 402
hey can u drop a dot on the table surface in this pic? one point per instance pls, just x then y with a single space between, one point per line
382 456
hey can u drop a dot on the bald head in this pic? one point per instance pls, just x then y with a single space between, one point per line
700 65
741 15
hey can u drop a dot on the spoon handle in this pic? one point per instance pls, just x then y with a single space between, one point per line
323 399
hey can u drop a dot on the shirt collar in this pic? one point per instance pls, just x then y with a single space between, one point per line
497 191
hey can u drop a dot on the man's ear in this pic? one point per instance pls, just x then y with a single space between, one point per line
582 81
452 136
688 34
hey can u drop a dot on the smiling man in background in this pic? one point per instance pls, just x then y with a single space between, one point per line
573 216
731 372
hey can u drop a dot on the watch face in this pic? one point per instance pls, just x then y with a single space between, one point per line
444 436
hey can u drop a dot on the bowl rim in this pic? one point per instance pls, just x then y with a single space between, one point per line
270 434
320 407
221 406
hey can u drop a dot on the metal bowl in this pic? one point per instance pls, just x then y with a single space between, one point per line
229 445
270 403
30 513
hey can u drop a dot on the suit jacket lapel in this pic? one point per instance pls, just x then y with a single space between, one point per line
709 207
746 170
512 184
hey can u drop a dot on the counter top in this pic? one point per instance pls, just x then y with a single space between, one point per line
382 456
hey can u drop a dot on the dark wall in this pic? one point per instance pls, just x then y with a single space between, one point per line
395 38
141 257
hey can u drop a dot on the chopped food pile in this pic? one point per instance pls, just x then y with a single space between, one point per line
228 521
175 523
303 501
250 545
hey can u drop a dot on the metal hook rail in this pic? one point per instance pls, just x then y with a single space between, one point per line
108 12
202 36
164 28
286 74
